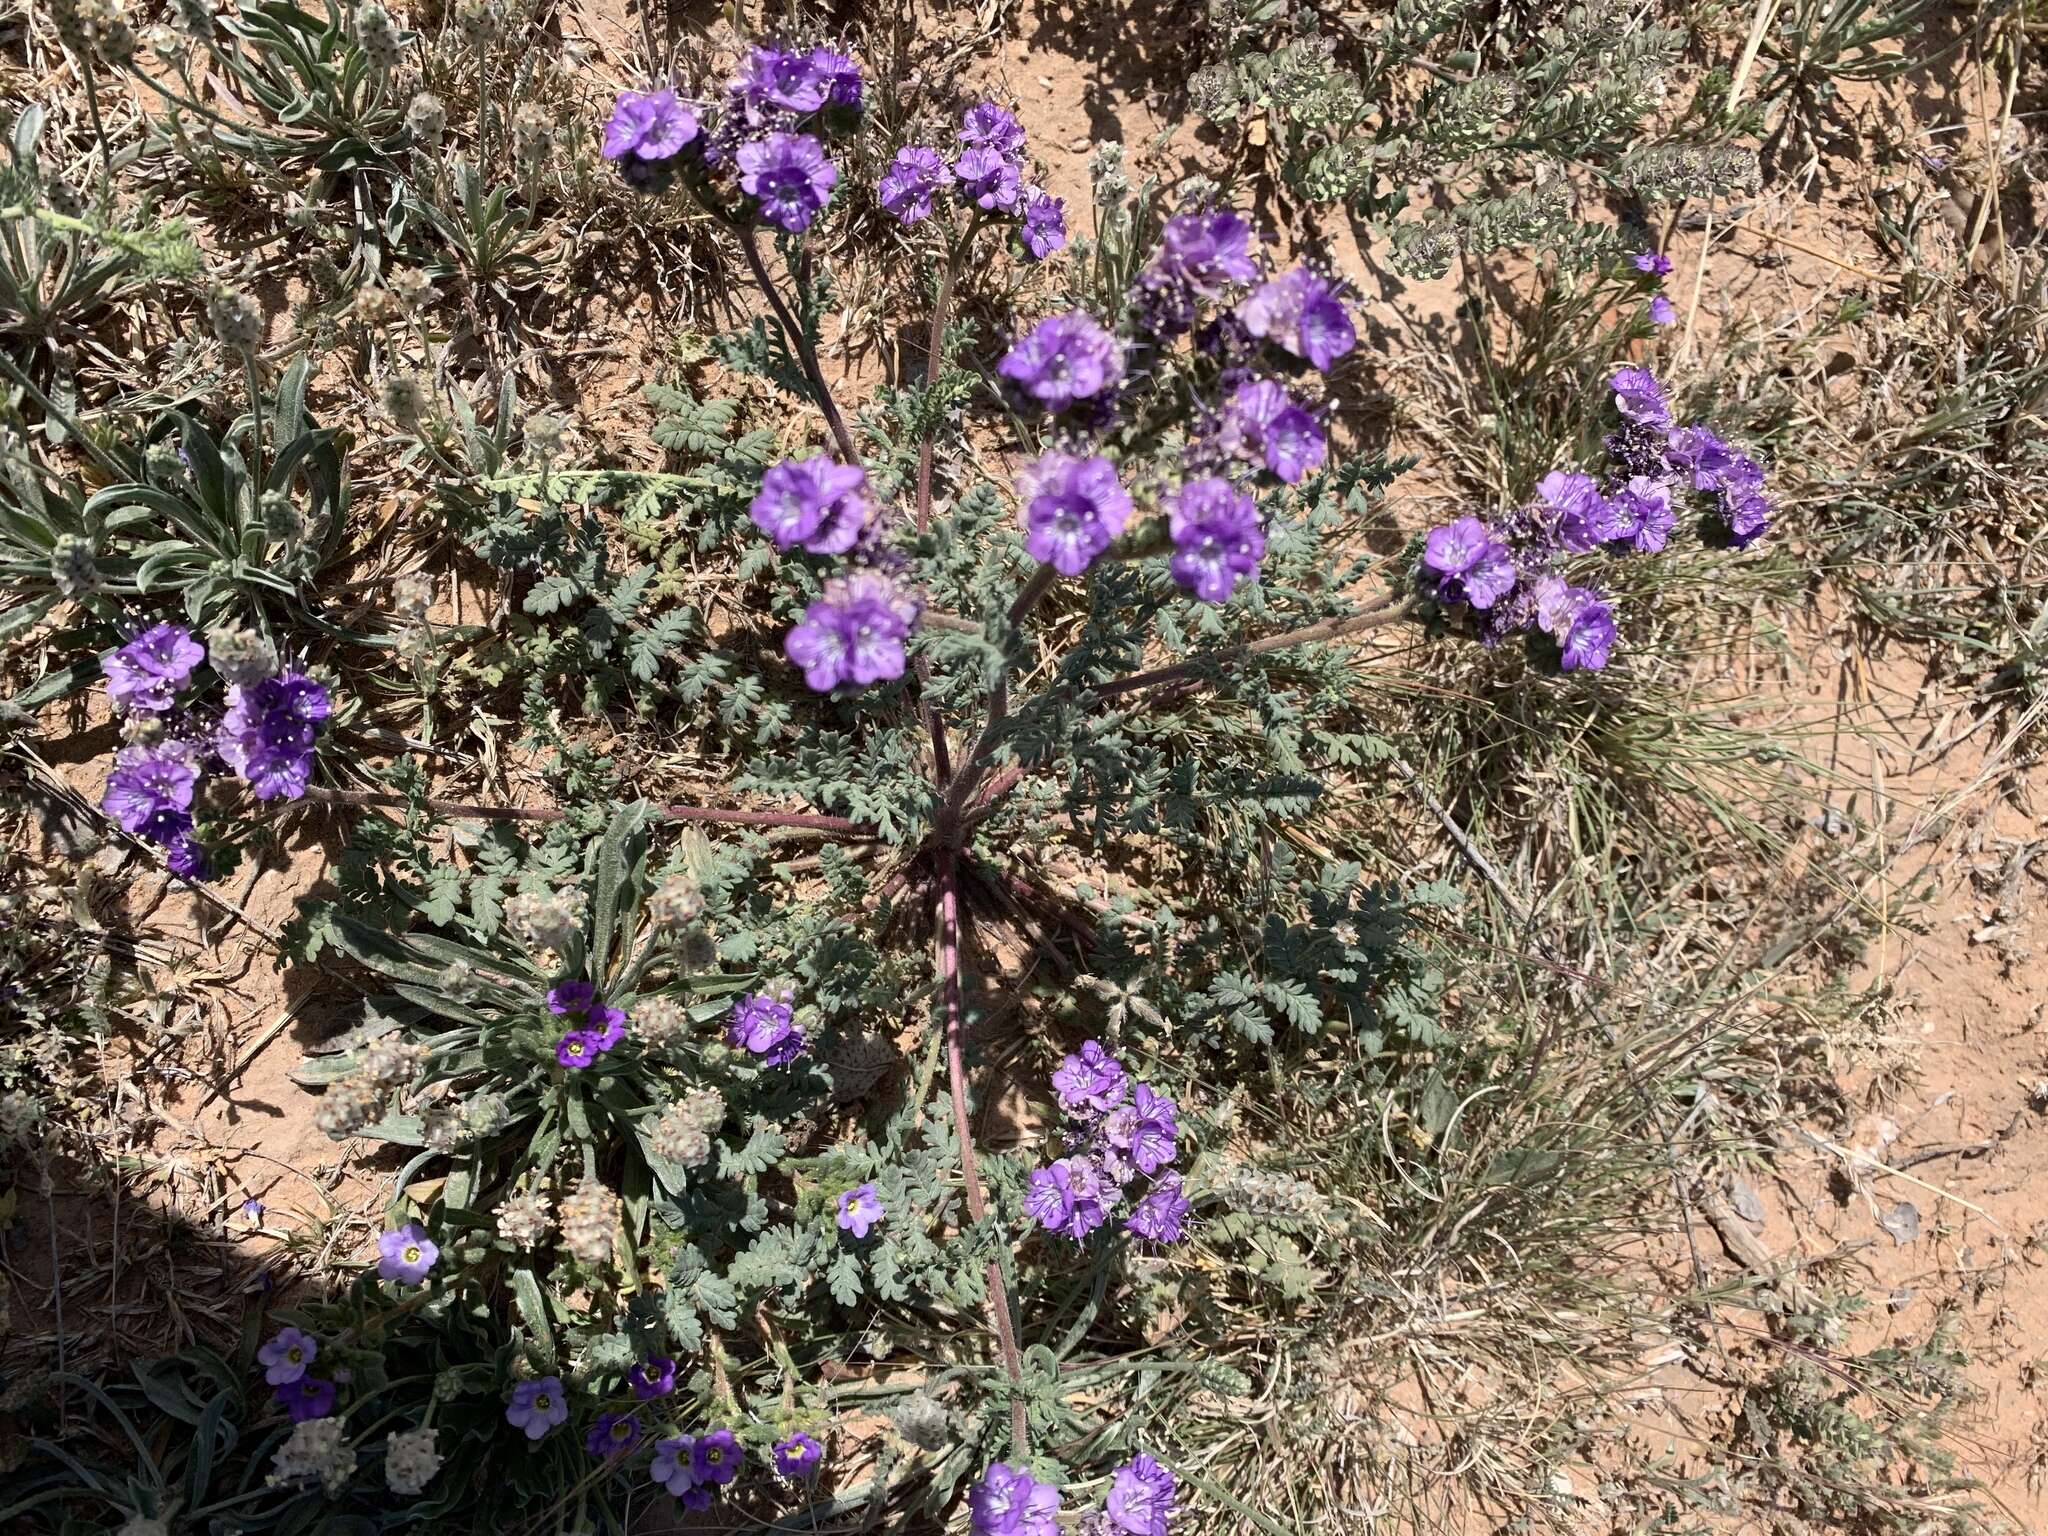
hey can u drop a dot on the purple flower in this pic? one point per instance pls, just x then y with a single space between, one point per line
1090 1079
1640 398
1045 223
1206 251
1072 509
143 675
1661 312
1748 518
1064 358
988 126
405 1254
817 503
653 1377
1217 539
648 125
1579 620
788 174
1467 564
776 77
1302 313
1144 1129
613 1435
1639 514
859 1209
186 857
765 1026
537 1406
1703 455
566 997
671 1468
1158 1216
1068 1197
1655 263
1141 1497
1008 1501
1570 507
286 1357
577 1048
268 731
839 75
798 1456
150 789
307 1397
853 632
715 1458
1262 424
989 180
913 176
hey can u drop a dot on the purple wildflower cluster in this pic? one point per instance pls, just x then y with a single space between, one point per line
694 1467
1502 576
266 735
1118 1133
854 631
988 173
764 1025
1009 1501
601 1026
763 141
287 1362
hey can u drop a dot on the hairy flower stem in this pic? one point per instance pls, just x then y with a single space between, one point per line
466 811
934 359
950 827
1373 616
963 1130
800 344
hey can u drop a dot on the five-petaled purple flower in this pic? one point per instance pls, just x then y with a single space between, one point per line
307 1397
859 1209
1300 312
1571 510
268 732
1157 1217
789 176
854 631
537 1406
817 503
613 1435
796 82
1217 537
1661 312
285 1358
672 1469
149 792
715 1457
1207 251
144 675
1064 358
765 1026
1141 1496
1640 398
1045 223
989 180
405 1254
906 188
1262 424
1579 620
986 125
648 125
798 1456
1090 1080
1073 508
1639 514
1009 1501
653 1377
577 1048
1462 562
1068 1197
1655 263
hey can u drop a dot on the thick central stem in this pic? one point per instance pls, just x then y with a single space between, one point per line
963 1131
800 344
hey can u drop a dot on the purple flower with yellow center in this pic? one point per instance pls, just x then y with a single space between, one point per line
1639 514
715 1458
1064 358
1158 1216
1208 252
1579 620
1263 424
405 1254
906 188
1045 223
307 1397
859 1209
1302 313
1462 562
816 503
765 1026
537 1407
1217 538
577 1048
613 1435
605 1025
1661 312
798 1456
268 733
1655 263
1571 509
1009 1501
286 1357
653 1377
144 675
1639 396
853 632
986 125
1090 1079
1073 509
1141 1495
989 180
671 1468
789 176
149 792
648 125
